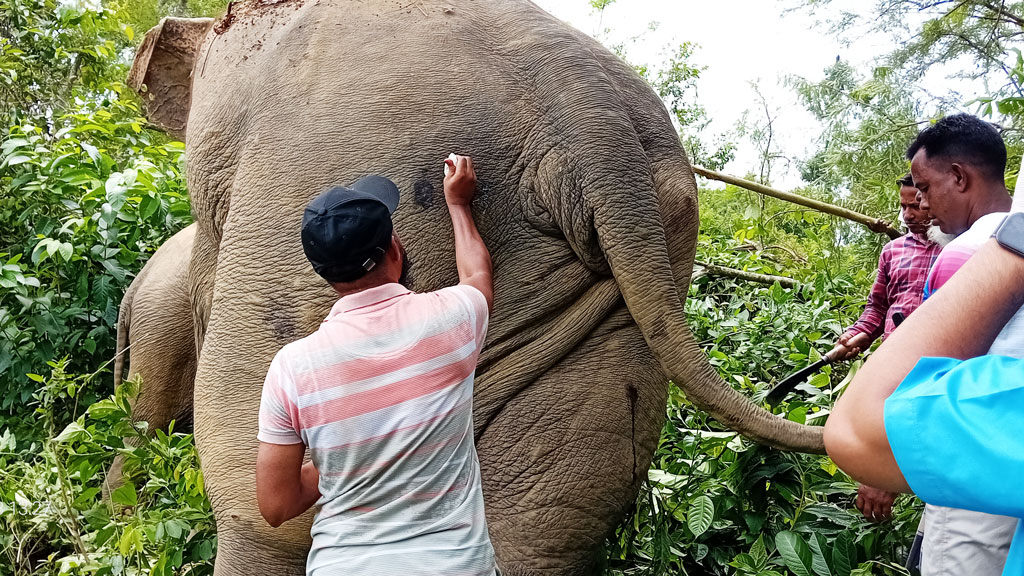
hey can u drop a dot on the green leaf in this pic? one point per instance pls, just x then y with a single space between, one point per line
92 151
795 553
12 144
844 554
798 415
758 553
16 159
39 253
819 561
148 206
71 432
205 551
131 540
104 409
86 497
125 496
744 560
701 514
29 281
174 528
114 269
65 250
820 380
701 552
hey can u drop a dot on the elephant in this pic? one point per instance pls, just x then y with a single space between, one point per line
155 331
586 201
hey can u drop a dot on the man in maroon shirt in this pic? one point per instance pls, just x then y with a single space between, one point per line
898 290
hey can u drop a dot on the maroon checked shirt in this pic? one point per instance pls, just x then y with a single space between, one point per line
902 271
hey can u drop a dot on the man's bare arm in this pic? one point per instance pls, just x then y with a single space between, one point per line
285 487
471 255
959 321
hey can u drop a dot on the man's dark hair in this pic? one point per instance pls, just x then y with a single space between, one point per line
964 139
906 180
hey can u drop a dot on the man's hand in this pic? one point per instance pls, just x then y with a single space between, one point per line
460 183
875 504
849 346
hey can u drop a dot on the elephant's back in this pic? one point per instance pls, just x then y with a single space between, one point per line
372 56
289 98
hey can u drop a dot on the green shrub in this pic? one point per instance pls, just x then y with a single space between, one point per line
53 519
81 209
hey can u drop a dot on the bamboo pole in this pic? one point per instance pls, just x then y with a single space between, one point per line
874 224
716 270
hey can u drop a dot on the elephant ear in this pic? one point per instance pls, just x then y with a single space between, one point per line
162 71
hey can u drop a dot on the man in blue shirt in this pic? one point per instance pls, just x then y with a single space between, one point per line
949 430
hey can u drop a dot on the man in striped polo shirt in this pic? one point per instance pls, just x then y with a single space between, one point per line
382 394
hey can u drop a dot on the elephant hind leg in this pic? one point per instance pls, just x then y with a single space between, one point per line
248 550
563 461
155 328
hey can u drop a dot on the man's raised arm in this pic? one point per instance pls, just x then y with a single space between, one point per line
471 255
961 321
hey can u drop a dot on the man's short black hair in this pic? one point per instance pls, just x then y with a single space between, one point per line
964 139
906 180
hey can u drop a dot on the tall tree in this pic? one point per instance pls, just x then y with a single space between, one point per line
868 123
52 52
988 33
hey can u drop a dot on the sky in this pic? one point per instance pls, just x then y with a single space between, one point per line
740 41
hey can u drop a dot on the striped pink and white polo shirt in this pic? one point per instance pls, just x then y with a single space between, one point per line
382 394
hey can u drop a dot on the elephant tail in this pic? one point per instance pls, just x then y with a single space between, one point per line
124 321
646 227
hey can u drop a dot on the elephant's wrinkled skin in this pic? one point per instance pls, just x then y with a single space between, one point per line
586 201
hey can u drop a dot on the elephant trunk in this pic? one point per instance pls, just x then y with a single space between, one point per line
647 230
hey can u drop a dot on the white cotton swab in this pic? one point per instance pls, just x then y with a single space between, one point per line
453 158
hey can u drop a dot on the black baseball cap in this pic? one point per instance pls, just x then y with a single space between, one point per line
346 231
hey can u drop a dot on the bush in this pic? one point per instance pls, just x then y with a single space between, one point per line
53 519
81 209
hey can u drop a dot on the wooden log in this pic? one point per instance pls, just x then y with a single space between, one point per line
876 225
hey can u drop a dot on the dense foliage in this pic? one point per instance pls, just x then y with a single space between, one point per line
52 517
88 191
82 207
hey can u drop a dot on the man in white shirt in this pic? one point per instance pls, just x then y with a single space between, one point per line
382 395
958 166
